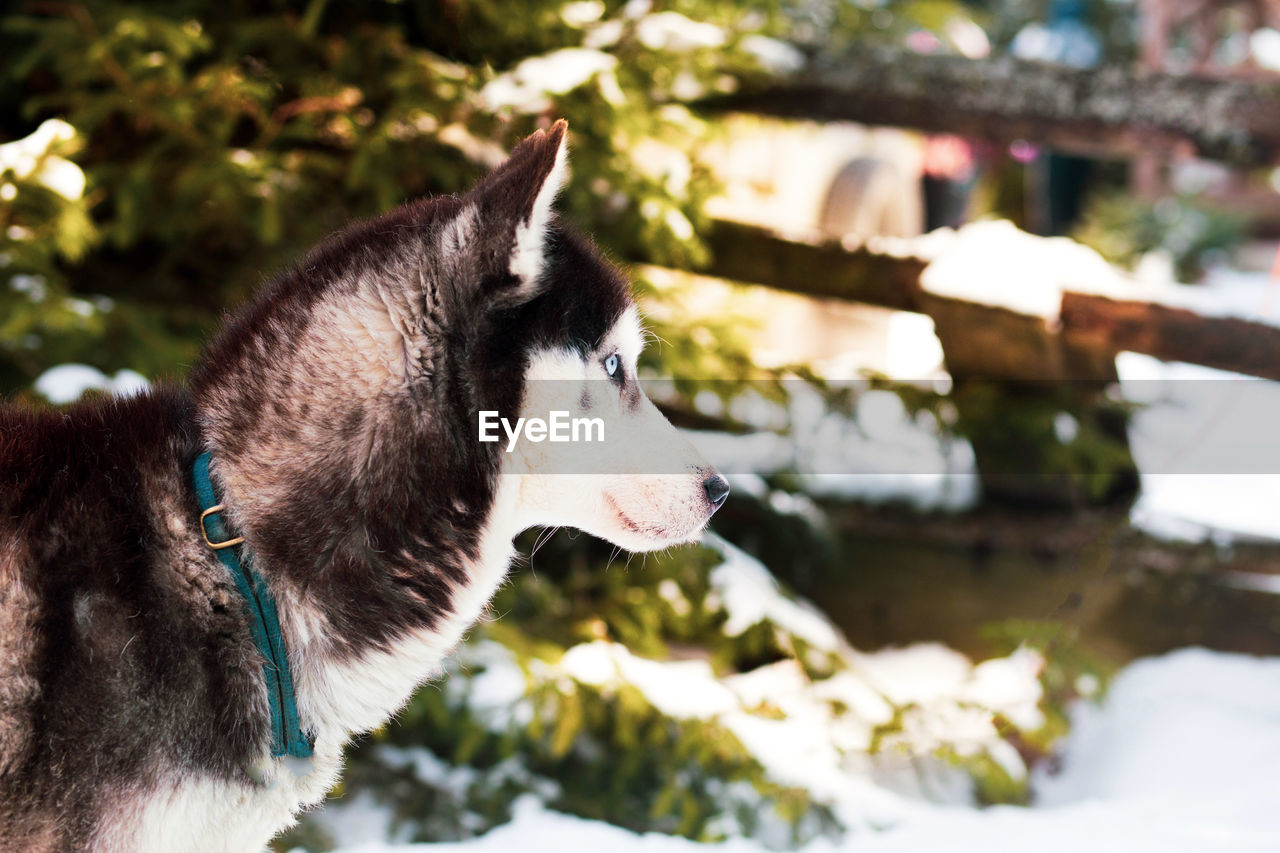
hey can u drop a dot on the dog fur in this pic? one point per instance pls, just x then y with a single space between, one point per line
340 406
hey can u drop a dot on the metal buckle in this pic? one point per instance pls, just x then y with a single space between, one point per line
217 546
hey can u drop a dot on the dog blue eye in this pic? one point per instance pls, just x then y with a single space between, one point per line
611 365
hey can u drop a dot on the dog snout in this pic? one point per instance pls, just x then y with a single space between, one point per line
717 489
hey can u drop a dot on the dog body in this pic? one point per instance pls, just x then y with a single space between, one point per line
341 411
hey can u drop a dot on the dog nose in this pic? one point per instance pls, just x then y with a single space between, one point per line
717 490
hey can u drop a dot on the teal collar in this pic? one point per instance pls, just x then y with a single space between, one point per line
264 622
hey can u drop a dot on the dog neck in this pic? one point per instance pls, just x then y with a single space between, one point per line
339 409
340 694
362 494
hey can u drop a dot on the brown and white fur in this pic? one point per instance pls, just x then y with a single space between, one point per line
341 408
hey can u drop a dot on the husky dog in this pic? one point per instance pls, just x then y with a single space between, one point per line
340 408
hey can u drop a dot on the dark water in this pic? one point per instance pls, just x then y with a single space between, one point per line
889 577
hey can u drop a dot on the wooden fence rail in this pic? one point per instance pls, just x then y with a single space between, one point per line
1102 323
1111 111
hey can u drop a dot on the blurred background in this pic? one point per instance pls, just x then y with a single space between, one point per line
972 299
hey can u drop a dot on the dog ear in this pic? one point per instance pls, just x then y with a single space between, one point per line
514 203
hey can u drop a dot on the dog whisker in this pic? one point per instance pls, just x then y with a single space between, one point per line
617 549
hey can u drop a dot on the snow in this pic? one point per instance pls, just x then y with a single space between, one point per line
993 262
1204 443
1224 293
495 686
914 351
359 822
1180 758
1218 716
29 159
1009 685
67 382
1203 439
1028 274
637 8
774 55
950 701
801 751
819 733
581 12
750 595
680 689
671 31
829 726
606 34
882 454
535 829
524 87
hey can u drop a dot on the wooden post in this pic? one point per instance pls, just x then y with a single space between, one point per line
1021 388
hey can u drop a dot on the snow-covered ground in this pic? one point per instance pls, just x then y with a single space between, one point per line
1182 756
1179 757
1205 444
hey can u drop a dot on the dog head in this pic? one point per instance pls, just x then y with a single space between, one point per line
593 452
586 448
353 385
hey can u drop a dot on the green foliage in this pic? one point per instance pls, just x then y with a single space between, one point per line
39 227
581 591
219 143
657 606
1067 437
599 751
1123 229
662 775
993 784
691 344
1069 673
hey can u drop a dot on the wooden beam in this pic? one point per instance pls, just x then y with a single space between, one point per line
1111 111
1173 334
991 341
749 253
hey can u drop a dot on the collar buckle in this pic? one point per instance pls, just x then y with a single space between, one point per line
204 531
